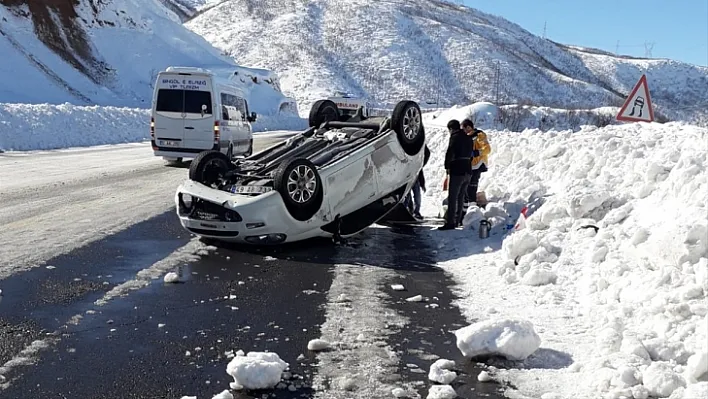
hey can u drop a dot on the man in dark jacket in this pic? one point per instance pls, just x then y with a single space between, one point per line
459 169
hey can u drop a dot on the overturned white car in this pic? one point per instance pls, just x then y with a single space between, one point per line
333 180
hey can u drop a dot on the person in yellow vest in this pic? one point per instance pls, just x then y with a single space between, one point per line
480 159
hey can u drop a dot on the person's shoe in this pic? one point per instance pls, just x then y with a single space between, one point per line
446 227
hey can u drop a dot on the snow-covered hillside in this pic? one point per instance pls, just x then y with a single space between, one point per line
105 53
432 50
611 268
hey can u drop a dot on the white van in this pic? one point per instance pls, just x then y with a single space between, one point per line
194 110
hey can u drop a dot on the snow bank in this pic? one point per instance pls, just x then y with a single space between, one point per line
612 266
256 370
27 127
513 339
515 118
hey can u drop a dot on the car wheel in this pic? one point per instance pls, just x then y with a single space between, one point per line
323 111
209 166
300 185
407 122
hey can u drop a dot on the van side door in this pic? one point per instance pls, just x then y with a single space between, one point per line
239 124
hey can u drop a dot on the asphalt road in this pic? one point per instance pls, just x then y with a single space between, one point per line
64 334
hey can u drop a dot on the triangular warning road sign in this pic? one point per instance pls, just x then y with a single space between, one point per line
637 107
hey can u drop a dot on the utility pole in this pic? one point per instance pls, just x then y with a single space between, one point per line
617 48
648 47
544 29
497 81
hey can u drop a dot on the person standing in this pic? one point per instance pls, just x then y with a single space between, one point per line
414 198
459 169
480 159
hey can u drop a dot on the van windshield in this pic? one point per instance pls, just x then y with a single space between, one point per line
183 101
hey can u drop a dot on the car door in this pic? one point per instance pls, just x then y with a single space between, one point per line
351 182
198 119
241 127
169 123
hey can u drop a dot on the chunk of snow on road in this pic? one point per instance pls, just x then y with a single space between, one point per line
171 277
225 394
160 325
623 286
399 393
318 345
269 258
417 298
513 339
441 392
440 371
256 370
397 287
484 376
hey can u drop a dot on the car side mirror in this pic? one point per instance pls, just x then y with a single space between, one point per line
253 117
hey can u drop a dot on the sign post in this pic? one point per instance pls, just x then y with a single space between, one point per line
637 107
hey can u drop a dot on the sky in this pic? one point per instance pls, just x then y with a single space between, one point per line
678 29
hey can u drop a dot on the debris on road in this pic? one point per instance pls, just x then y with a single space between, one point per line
318 345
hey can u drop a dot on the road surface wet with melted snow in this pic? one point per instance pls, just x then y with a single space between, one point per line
99 321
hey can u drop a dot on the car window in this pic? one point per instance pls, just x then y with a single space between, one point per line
169 100
187 101
234 101
193 101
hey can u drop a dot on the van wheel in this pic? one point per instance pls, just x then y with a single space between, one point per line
300 186
323 111
407 122
209 167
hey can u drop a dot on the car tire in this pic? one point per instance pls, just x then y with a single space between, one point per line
301 201
323 111
407 122
209 166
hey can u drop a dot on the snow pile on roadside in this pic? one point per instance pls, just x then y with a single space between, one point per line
486 115
612 266
256 370
28 127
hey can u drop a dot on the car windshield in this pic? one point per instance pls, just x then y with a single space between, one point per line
183 101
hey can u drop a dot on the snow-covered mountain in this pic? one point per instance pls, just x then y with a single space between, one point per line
433 50
104 52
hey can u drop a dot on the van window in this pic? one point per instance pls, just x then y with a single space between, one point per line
183 101
234 101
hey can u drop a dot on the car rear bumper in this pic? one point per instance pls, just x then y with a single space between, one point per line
259 220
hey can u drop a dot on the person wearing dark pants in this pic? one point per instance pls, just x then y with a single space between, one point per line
480 158
459 169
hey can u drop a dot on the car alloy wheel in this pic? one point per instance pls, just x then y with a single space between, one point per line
301 184
411 123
